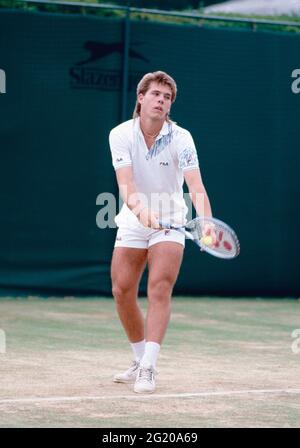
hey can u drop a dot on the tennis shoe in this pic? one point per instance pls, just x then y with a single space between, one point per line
145 380
129 376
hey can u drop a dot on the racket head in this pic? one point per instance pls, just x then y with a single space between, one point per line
227 245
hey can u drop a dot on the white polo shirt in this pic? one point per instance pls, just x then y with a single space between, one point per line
158 171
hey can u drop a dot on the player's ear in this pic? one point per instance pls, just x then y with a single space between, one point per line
140 98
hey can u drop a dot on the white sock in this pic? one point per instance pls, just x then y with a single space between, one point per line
151 353
138 349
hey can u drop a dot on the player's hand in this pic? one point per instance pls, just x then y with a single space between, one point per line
148 218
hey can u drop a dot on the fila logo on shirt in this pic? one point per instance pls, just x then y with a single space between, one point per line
164 163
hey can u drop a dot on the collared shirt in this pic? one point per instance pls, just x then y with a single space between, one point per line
158 171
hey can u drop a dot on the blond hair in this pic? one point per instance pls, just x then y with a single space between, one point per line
144 85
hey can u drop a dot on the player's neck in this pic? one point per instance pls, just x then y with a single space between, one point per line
149 127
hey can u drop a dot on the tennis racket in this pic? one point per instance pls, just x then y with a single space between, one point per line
211 235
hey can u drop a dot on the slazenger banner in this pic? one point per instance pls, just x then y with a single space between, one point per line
61 82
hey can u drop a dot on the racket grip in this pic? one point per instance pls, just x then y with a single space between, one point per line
165 225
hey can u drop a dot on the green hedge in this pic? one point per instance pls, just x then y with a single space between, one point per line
164 5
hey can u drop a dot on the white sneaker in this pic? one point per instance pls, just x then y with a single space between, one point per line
129 376
145 380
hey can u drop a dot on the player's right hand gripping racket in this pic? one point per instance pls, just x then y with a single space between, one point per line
226 244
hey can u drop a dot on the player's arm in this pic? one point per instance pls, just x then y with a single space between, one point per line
200 199
197 192
133 199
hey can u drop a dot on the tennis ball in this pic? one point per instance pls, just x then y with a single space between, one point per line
207 240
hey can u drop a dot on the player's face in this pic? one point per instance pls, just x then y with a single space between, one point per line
156 103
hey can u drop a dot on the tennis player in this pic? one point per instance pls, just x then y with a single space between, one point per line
152 157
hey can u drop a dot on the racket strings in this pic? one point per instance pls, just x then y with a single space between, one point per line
226 241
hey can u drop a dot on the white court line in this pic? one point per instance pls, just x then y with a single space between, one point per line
144 396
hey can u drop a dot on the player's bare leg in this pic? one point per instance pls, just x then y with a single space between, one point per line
127 267
164 261
126 270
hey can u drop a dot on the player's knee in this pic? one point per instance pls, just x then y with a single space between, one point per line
121 292
117 291
160 291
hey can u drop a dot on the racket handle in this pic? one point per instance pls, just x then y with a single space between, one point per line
165 225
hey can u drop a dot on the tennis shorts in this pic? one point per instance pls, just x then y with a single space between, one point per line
140 237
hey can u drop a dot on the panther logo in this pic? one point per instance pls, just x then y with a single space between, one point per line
99 50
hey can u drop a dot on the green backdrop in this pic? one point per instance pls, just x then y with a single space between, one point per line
64 94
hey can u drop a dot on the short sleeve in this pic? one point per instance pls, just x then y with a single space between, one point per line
187 153
120 149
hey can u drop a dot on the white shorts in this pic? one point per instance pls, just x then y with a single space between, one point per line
141 237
